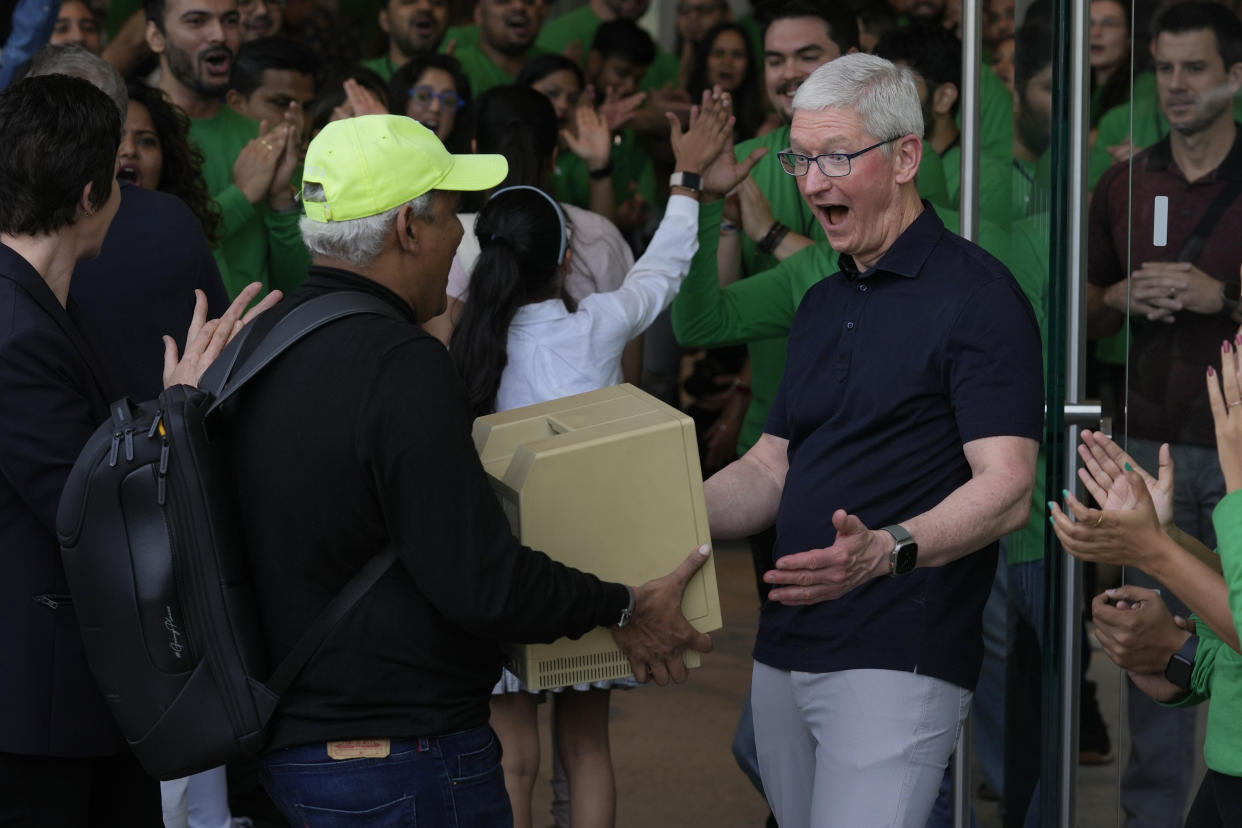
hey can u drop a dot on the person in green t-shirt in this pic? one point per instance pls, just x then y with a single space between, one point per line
248 172
507 32
935 56
412 26
271 78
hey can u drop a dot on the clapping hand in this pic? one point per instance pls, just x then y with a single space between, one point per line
1225 397
206 338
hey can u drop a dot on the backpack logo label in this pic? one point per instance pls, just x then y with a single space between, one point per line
174 634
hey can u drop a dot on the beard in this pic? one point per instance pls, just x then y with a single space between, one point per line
189 70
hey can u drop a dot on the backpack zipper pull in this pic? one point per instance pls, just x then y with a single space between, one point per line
116 446
129 444
155 424
160 494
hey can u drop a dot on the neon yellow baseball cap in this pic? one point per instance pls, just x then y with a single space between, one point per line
373 163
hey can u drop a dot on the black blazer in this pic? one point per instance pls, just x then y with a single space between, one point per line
52 397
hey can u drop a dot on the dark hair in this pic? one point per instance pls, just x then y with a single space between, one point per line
842 25
1032 52
405 78
182 173
1193 16
877 17
1116 90
520 124
933 52
519 238
332 94
540 66
257 56
626 39
58 134
154 10
747 103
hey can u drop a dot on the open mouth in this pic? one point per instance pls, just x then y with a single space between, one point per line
130 173
432 124
218 61
518 23
423 24
835 213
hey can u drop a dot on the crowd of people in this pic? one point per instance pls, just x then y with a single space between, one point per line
759 225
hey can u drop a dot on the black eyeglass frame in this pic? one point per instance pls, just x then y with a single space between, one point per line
848 156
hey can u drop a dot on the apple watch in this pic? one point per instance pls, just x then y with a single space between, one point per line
905 554
1182 663
688 180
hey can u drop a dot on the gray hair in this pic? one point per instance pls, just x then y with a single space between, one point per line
882 94
73 60
357 241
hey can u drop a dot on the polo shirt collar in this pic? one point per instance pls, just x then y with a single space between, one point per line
908 253
1160 157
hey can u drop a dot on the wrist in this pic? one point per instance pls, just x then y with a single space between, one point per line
599 170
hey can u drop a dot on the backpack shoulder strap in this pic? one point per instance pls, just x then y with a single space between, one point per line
1207 224
223 382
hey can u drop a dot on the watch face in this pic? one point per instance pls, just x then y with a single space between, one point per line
907 556
1178 671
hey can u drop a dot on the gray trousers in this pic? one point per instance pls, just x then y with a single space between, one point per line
855 747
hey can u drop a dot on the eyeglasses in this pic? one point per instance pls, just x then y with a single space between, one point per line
832 164
423 96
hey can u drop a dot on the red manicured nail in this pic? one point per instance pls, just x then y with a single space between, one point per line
1237 340
1224 347
1211 371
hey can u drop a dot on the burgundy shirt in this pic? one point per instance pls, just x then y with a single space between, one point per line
1168 398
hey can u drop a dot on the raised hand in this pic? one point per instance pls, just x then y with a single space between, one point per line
615 110
255 166
590 139
207 338
1104 463
1225 397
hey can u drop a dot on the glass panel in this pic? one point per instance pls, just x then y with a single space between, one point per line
1164 248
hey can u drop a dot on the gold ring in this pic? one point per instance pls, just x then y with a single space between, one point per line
1098 521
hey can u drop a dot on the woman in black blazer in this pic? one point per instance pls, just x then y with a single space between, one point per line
62 761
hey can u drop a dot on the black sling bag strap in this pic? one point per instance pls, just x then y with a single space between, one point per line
1198 237
220 382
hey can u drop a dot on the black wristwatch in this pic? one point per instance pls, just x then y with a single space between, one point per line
1182 663
686 180
905 554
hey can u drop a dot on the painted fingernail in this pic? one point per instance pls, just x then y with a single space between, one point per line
1211 371
1237 340
1065 493
1128 467
1224 347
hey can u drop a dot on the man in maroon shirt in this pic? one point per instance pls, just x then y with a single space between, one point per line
1163 248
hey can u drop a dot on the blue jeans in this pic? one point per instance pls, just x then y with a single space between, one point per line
454 781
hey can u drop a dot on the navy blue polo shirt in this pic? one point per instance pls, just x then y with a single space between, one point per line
889 373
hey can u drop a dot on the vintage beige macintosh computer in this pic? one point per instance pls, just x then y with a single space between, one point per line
607 482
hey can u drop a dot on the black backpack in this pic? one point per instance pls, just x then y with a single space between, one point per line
149 538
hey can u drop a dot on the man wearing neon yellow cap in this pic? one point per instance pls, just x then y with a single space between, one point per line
358 439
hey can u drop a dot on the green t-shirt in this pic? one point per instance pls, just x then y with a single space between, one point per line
995 115
381 66
1217 673
995 183
576 29
482 71
256 244
466 35
632 173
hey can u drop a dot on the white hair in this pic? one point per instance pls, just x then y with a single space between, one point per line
882 94
356 241
75 61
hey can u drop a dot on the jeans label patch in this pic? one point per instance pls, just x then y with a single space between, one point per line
360 749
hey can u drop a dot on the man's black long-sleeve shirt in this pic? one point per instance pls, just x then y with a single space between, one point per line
359 434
